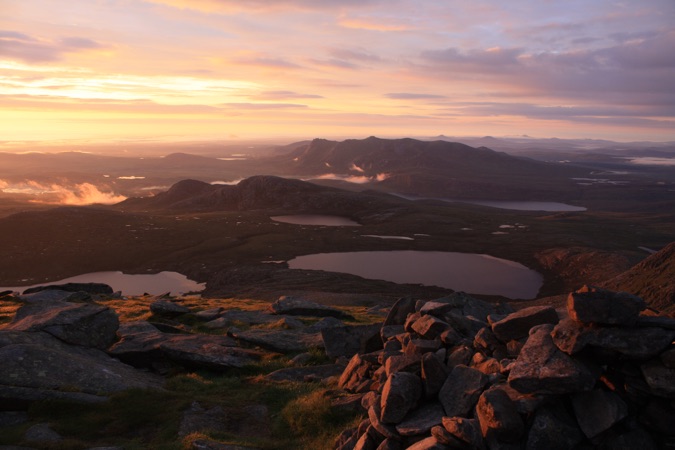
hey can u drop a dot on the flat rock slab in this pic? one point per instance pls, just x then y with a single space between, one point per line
211 352
542 368
282 341
37 366
598 410
661 379
594 305
400 394
517 325
168 308
421 420
294 306
84 324
461 391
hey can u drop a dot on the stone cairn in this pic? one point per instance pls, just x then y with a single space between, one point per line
599 376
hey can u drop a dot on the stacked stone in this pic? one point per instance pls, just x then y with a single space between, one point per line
604 377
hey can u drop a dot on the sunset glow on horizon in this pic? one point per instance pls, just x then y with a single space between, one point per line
109 70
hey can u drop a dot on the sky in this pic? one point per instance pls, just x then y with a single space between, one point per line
111 70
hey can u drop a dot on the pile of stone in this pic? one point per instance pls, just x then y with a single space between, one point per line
599 375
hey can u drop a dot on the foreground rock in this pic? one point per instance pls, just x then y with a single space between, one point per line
294 306
37 366
602 379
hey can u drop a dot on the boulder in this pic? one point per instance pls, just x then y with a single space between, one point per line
386 430
598 410
421 420
43 434
543 368
399 395
167 308
37 366
434 373
467 431
661 379
399 311
357 371
429 443
293 306
595 305
210 352
429 326
350 339
553 429
498 417
517 325
84 324
461 391
282 341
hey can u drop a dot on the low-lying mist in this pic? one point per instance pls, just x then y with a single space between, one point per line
62 194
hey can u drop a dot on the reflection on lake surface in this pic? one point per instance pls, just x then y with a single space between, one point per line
316 219
505 204
156 284
468 272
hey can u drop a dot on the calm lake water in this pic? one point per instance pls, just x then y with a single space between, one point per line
155 284
512 205
468 272
316 219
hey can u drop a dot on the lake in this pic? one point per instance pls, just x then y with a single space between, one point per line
515 205
468 272
155 284
316 219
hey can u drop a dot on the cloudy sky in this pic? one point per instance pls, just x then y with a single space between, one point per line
219 69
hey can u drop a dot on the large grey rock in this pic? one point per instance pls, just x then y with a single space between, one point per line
294 306
661 379
553 429
43 434
399 311
498 417
421 420
386 430
467 431
517 325
357 372
350 339
595 305
461 390
283 341
37 366
598 410
429 326
210 352
636 343
399 395
167 308
84 324
543 368
434 373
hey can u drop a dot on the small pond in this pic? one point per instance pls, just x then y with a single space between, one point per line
468 272
155 284
316 219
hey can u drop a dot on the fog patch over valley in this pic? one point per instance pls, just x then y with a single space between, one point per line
77 194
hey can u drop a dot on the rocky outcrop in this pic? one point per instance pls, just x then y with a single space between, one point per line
602 378
294 306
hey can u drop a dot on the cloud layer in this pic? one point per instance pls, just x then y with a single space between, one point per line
306 68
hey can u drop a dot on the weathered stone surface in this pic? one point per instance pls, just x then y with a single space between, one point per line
434 373
402 363
466 431
368 440
467 326
637 343
553 429
399 311
356 371
325 322
542 368
460 356
461 390
498 417
661 379
282 341
517 325
55 295
668 358
437 309
442 436
209 314
598 410
659 416
294 306
350 339
421 346
486 341
140 349
37 366
634 439
656 321
374 414
389 444
309 373
89 288
595 305
168 308
421 420
399 395
211 352
85 324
